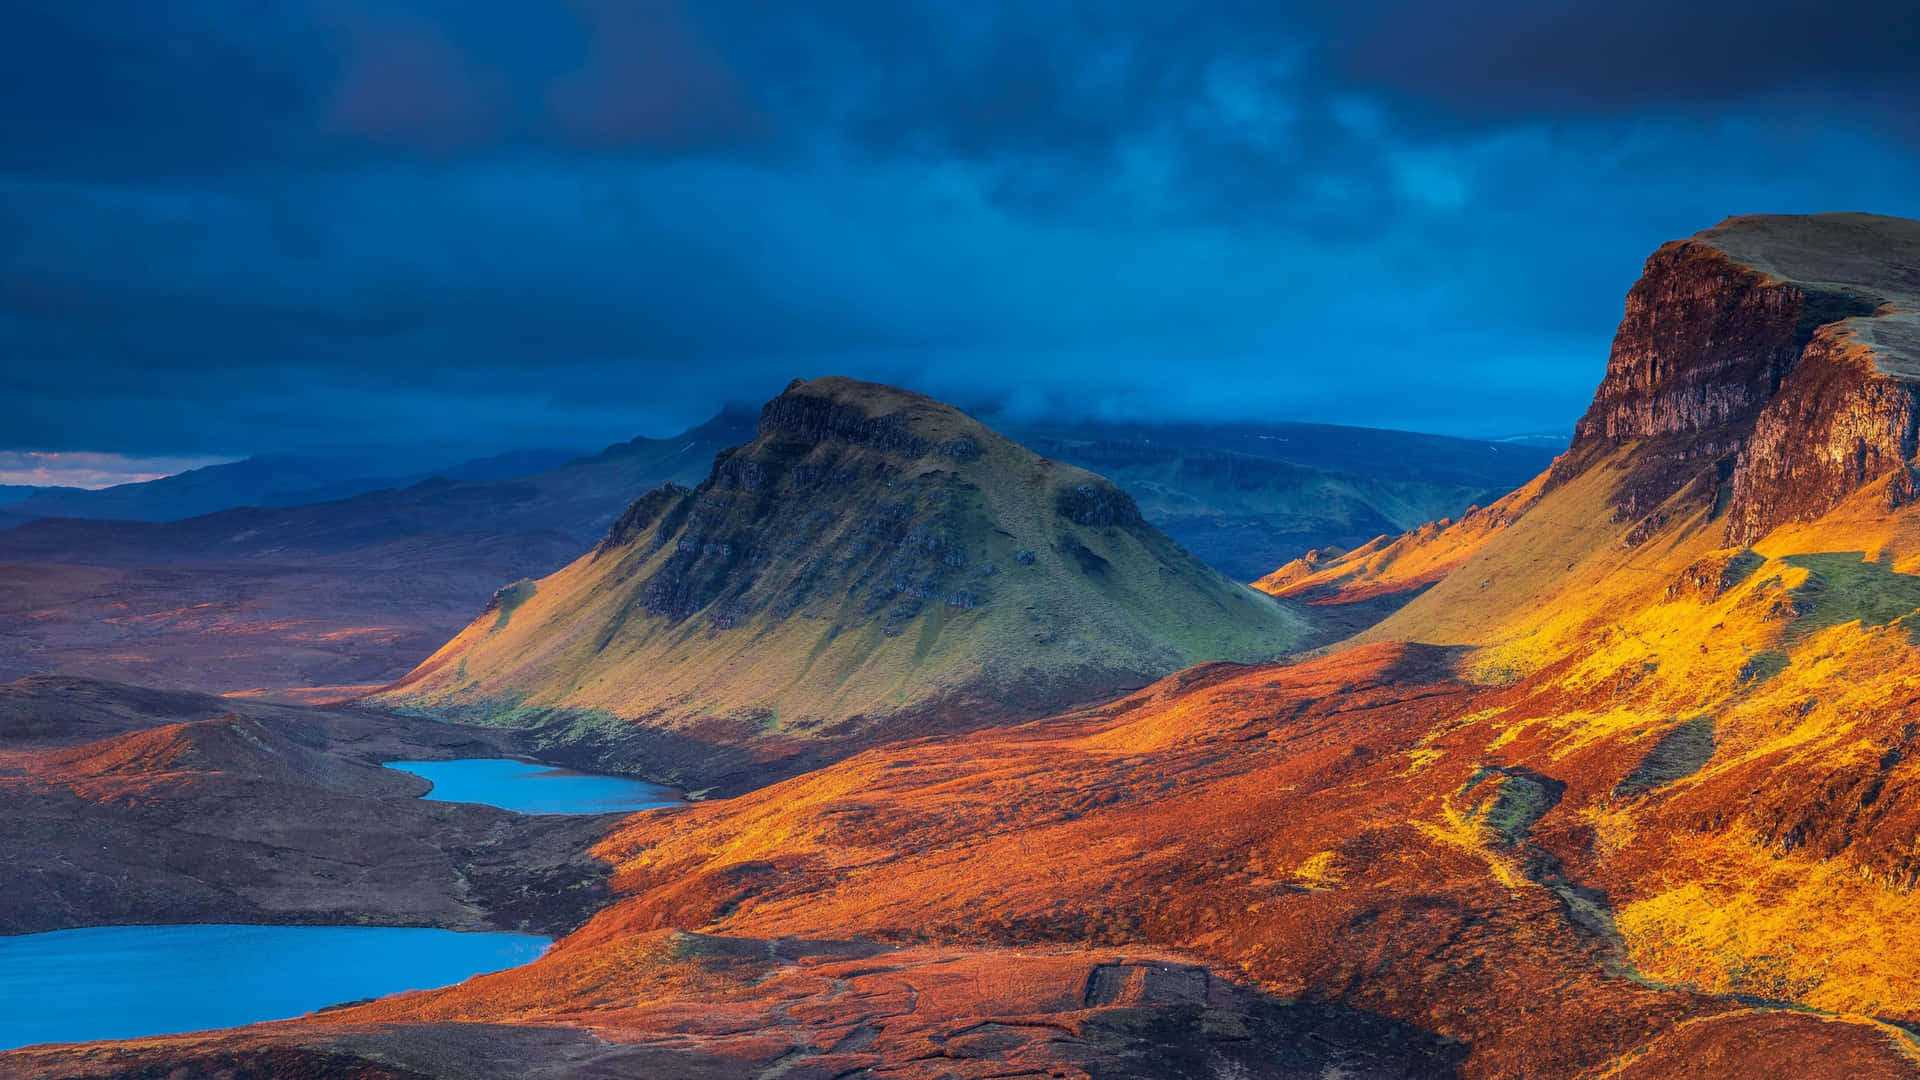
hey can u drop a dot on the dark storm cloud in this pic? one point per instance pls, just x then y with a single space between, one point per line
1504 58
228 226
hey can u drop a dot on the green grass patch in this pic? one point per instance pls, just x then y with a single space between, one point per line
509 599
1678 754
1842 587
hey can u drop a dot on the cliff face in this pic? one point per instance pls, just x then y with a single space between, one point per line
1764 369
1703 343
1838 424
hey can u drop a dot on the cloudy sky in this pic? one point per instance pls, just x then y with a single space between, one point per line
240 226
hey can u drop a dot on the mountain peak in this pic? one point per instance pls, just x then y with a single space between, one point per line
880 417
1764 374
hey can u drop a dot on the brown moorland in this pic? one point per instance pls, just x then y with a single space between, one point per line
126 805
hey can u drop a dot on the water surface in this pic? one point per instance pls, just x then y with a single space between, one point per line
531 788
121 982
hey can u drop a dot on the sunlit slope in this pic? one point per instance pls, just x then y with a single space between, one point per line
1705 615
871 554
1506 870
1635 794
1762 374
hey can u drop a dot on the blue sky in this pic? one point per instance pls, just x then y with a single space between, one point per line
456 227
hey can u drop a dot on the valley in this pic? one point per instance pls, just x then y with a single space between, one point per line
989 776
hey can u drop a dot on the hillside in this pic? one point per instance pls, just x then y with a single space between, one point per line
1336 868
1246 497
127 805
1761 377
870 557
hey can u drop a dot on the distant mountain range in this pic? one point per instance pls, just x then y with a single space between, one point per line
357 587
266 481
348 592
1247 498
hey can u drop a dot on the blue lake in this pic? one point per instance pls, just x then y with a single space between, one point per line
531 788
118 982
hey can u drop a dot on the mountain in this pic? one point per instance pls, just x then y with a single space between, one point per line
258 481
1624 781
1246 498
870 559
264 481
1763 376
347 592
1702 618
509 464
350 593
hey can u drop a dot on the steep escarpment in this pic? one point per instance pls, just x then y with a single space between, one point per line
1764 371
1840 422
1844 417
1767 362
872 557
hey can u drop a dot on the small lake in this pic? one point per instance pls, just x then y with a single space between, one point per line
120 982
531 788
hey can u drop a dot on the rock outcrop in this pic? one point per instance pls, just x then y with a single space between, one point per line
1840 422
1767 367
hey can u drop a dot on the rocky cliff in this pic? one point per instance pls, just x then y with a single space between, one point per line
1766 366
1764 372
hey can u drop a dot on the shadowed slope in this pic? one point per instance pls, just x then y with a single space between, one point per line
1246 497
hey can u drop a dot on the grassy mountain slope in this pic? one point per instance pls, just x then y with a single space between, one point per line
871 554
1705 615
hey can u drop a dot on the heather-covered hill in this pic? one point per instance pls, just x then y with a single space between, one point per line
127 805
